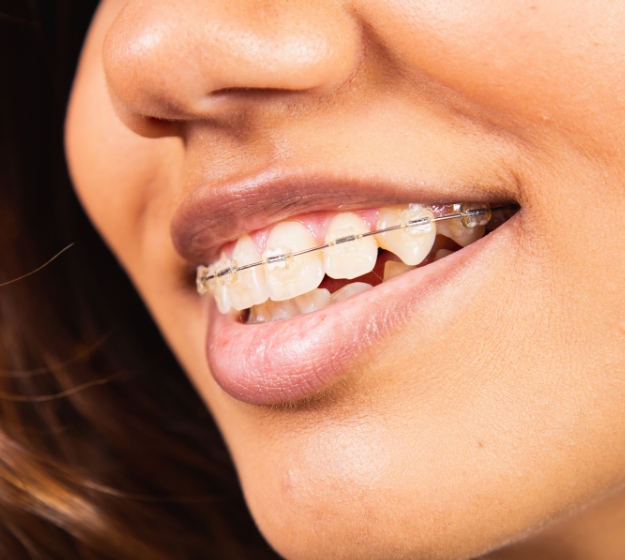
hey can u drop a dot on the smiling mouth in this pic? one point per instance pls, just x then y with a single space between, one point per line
312 273
309 263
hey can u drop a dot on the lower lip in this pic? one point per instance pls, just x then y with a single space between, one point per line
286 361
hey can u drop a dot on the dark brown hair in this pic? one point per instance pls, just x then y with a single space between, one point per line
106 451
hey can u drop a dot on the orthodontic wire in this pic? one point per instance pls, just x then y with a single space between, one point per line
357 236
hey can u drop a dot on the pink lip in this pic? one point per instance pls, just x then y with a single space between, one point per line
293 359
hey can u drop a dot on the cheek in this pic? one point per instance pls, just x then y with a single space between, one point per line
117 174
538 67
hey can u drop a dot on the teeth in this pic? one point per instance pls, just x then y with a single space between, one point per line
456 230
347 256
317 299
306 303
273 311
288 276
413 243
350 290
461 235
260 314
394 268
284 282
250 287
222 281
280 310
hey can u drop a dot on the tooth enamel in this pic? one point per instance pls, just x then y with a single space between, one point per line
292 278
204 287
394 268
280 310
259 314
350 290
441 254
250 287
287 276
461 235
275 311
456 230
348 257
413 243
222 297
272 311
316 299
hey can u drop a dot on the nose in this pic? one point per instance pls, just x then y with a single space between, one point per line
175 59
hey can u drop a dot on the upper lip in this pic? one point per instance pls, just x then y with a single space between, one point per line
212 215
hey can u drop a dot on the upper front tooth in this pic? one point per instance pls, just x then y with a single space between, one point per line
348 256
413 242
288 276
250 286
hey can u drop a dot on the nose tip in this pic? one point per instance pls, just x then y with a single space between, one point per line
169 59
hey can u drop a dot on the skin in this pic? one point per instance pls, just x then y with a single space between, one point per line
500 434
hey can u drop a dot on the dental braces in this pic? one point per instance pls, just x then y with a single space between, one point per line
471 215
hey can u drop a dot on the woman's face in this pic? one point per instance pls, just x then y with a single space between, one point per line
458 406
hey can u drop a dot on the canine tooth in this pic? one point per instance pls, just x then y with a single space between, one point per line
250 287
348 257
412 243
288 276
441 254
350 290
456 230
222 297
311 301
394 268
